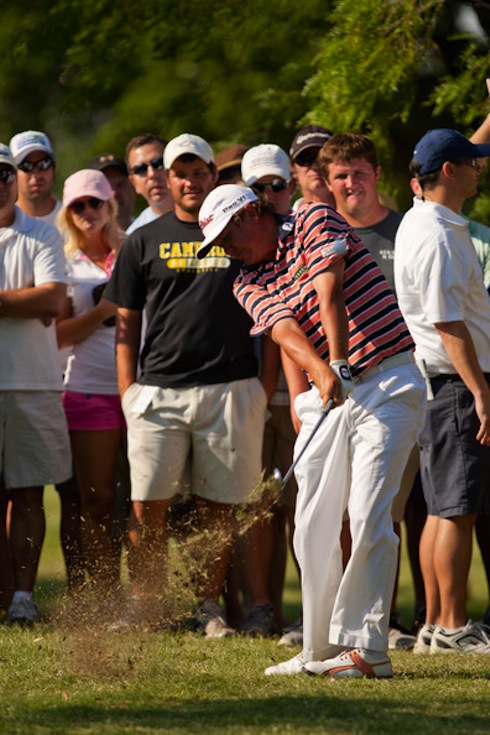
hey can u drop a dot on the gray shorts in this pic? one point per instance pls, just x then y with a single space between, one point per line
34 442
454 466
215 431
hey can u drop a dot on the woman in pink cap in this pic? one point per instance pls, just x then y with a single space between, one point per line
88 224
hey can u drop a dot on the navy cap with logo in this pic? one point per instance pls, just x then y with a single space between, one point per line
312 136
443 144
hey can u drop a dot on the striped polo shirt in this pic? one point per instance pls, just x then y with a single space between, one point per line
284 288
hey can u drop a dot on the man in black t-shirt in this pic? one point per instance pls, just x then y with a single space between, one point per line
196 402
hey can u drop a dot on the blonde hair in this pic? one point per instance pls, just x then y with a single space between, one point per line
73 238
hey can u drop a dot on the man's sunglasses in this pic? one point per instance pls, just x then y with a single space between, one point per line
7 175
79 205
307 158
141 169
276 185
43 165
473 162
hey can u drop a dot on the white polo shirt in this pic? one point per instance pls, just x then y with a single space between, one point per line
438 278
31 254
51 217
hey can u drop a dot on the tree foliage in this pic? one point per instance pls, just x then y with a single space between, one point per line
92 73
230 72
369 61
394 69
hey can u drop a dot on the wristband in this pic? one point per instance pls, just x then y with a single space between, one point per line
342 371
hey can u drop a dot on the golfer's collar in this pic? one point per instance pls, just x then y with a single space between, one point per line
285 224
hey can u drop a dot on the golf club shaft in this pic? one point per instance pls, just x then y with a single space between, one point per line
320 421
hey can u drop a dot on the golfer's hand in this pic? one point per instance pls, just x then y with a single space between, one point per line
328 385
342 370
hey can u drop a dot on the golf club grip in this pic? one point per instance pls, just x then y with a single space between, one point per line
325 411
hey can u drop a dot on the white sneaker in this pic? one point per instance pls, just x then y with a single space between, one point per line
424 638
354 664
399 638
211 620
287 668
293 634
399 641
22 612
470 638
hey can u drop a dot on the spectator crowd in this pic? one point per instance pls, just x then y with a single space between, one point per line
159 369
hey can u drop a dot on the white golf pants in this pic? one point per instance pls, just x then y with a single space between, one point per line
354 462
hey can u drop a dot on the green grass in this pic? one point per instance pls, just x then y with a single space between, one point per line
87 682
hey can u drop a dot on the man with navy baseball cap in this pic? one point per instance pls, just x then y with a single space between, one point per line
443 144
442 296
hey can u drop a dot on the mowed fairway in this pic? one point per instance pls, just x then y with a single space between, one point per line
86 681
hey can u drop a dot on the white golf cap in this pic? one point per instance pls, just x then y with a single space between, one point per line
185 144
29 141
217 210
6 155
265 160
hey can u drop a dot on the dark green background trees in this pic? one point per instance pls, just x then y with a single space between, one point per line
93 73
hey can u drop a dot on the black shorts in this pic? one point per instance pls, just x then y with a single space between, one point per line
454 466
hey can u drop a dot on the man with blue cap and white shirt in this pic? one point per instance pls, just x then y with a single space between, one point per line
444 301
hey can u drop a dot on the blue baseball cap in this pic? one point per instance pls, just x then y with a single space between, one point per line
444 144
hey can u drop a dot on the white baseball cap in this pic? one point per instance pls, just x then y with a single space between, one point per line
185 144
217 210
265 160
6 155
29 141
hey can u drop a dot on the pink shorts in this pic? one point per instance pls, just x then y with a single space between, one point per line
93 412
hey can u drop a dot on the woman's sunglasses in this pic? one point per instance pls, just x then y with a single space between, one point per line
79 205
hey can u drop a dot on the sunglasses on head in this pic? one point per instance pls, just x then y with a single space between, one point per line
276 185
141 169
307 158
7 175
43 165
79 206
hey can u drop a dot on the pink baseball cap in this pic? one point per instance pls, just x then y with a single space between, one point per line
86 183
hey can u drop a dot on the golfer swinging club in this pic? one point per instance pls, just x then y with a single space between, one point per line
320 295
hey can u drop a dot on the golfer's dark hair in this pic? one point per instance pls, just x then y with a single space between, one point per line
260 207
426 181
344 147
